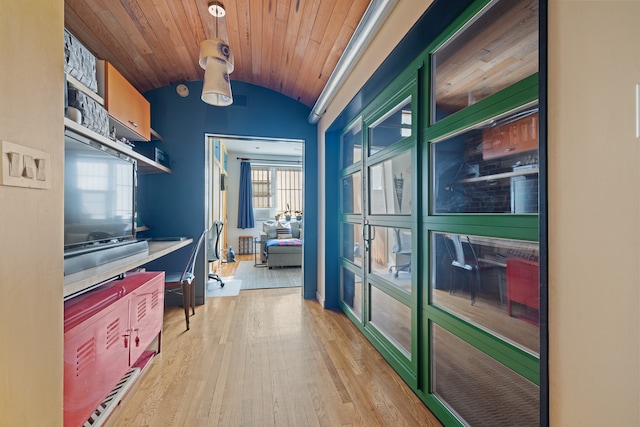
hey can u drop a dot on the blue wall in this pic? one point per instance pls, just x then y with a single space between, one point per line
174 204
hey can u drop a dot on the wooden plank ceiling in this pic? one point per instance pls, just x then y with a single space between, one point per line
290 46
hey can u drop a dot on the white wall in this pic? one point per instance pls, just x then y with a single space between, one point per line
594 213
31 239
402 18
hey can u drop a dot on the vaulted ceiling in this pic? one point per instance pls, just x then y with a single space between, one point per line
290 46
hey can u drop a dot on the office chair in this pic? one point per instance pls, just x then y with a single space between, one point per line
466 260
401 249
213 248
181 283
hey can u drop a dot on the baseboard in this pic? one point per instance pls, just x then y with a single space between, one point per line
320 299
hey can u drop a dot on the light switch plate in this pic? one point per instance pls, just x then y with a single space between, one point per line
24 167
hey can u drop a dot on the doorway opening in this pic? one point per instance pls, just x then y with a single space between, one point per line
277 184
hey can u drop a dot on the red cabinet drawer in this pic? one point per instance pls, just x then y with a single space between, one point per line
105 332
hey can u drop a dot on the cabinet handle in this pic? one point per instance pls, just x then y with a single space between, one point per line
134 124
506 150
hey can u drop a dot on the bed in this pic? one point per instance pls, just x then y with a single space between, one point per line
281 244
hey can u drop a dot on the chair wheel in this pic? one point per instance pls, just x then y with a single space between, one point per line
221 285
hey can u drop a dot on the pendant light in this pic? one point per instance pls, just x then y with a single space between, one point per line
216 59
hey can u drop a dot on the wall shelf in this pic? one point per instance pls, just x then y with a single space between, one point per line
81 87
532 171
145 165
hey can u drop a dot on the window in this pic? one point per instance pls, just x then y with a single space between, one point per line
277 187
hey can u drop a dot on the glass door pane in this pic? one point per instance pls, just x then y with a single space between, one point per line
479 390
496 49
391 128
490 168
491 283
391 250
390 186
352 194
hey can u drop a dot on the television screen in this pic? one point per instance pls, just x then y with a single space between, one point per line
99 194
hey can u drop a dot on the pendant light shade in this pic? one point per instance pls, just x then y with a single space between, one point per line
217 61
216 58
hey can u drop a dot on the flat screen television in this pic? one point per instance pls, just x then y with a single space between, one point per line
99 196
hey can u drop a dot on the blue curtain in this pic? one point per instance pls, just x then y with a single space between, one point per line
245 202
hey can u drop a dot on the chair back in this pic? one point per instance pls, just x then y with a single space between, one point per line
213 241
456 251
187 273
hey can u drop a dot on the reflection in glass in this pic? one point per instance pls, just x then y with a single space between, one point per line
351 295
352 243
494 51
492 283
392 318
352 145
392 128
391 255
390 186
489 169
477 388
352 194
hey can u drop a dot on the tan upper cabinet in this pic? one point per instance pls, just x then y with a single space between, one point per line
515 137
129 110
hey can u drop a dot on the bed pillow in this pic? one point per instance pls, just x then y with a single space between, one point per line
284 231
295 229
269 227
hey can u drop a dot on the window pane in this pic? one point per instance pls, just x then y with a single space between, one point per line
491 283
289 190
477 388
394 127
392 318
351 287
261 187
488 169
352 193
493 51
352 243
390 186
352 145
391 255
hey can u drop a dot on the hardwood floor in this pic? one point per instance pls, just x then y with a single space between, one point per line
268 358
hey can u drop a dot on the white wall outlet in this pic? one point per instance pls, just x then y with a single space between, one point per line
24 167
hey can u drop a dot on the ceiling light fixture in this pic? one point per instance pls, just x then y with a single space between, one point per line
216 59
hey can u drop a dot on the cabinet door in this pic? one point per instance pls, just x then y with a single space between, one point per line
95 358
125 104
146 311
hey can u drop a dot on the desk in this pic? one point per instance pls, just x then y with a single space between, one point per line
84 279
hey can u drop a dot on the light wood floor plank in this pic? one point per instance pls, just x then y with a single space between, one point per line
268 358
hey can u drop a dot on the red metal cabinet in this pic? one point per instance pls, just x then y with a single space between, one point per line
100 331
523 277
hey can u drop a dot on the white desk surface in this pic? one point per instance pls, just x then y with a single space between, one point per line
84 279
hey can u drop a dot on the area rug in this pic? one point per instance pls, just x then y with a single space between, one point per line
266 278
231 288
